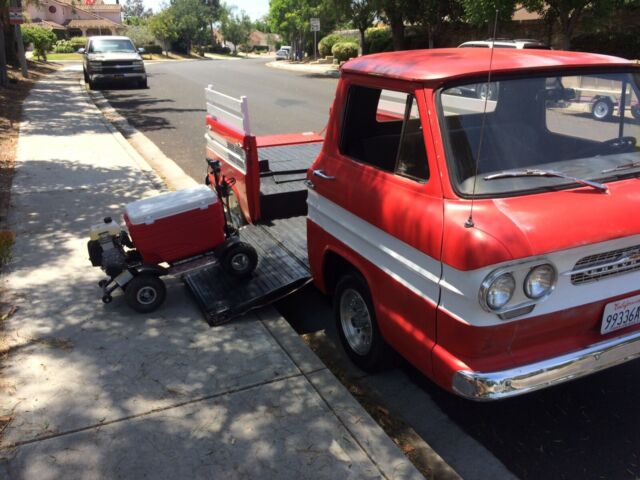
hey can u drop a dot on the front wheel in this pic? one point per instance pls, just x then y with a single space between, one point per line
357 325
240 260
145 292
143 83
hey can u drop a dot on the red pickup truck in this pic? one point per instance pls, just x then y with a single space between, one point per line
493 242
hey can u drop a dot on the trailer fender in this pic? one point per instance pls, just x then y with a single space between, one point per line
152 269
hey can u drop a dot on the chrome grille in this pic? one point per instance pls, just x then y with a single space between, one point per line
608 264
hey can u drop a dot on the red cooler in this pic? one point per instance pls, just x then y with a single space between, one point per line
176 225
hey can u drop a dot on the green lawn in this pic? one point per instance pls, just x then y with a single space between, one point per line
63 56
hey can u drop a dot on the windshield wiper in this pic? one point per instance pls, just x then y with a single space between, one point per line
534 172
624 166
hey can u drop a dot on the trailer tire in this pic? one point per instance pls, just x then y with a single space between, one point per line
145 292
240 260
602 109
361 340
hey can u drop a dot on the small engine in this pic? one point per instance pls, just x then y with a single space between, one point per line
106 247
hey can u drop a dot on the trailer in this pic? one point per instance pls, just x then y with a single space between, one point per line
269 205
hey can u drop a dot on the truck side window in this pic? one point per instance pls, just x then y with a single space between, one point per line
382 128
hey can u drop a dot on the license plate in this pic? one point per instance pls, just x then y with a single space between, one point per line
620 314
118 77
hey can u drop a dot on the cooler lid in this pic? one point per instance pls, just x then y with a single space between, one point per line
165 205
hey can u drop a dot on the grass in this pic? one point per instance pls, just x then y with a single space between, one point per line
63 56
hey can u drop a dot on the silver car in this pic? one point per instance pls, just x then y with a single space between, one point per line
110 58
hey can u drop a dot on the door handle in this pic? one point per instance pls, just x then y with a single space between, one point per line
321 174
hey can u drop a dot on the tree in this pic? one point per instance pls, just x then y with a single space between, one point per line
568 13
396 13
362 13
140 35
192 19
235 27
41 38
483 12
133 11
432 15
164 28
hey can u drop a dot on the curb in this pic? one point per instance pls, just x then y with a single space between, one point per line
171 174
308 69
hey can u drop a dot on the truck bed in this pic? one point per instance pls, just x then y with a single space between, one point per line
282 172
282 268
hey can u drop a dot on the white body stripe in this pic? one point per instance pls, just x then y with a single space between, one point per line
218 145
412 268
457 290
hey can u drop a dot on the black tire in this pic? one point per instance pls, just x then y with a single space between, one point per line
86 77
92 85
602 109
362 341
635 111
240 260
143 83
145 292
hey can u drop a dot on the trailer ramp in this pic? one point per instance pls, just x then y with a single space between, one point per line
282 268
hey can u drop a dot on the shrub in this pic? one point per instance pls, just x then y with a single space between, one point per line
326 44
140 35
379 40
78 42
41 38
345 50
157 49
63 46
621 44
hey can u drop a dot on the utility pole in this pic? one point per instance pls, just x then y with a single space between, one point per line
18 36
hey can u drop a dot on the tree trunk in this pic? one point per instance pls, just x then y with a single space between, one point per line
4 79
397 32
363 44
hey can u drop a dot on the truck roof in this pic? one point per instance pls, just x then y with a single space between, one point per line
440 64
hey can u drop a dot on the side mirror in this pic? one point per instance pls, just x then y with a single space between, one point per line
81 51
141 50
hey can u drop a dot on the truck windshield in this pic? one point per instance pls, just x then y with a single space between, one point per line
111 45
583 127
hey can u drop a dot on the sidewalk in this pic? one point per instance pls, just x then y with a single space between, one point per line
96 391
317 69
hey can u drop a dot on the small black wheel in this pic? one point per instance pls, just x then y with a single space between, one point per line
602 109
102 283
107 298
357 325
145 292
240 260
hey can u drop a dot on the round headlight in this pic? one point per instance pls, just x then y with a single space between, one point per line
540 281
499 291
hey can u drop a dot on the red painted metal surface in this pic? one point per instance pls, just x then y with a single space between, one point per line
436 65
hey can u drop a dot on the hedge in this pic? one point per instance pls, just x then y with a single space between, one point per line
626 45
378 40
157 49
325 45
63 46
344 50
78 42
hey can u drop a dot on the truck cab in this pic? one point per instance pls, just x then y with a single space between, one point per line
493 242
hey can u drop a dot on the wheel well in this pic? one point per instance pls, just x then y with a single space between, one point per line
334 267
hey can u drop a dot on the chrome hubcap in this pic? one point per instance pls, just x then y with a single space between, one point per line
146 295
240 262
355 320
601 110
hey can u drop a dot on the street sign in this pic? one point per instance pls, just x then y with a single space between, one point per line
315 24
15 16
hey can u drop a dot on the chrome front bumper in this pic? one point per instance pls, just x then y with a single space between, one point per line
535 376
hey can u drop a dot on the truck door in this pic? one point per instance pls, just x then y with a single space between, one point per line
378 196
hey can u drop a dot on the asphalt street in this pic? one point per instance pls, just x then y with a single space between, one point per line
171 112
583 430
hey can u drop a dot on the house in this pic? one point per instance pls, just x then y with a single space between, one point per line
85 18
